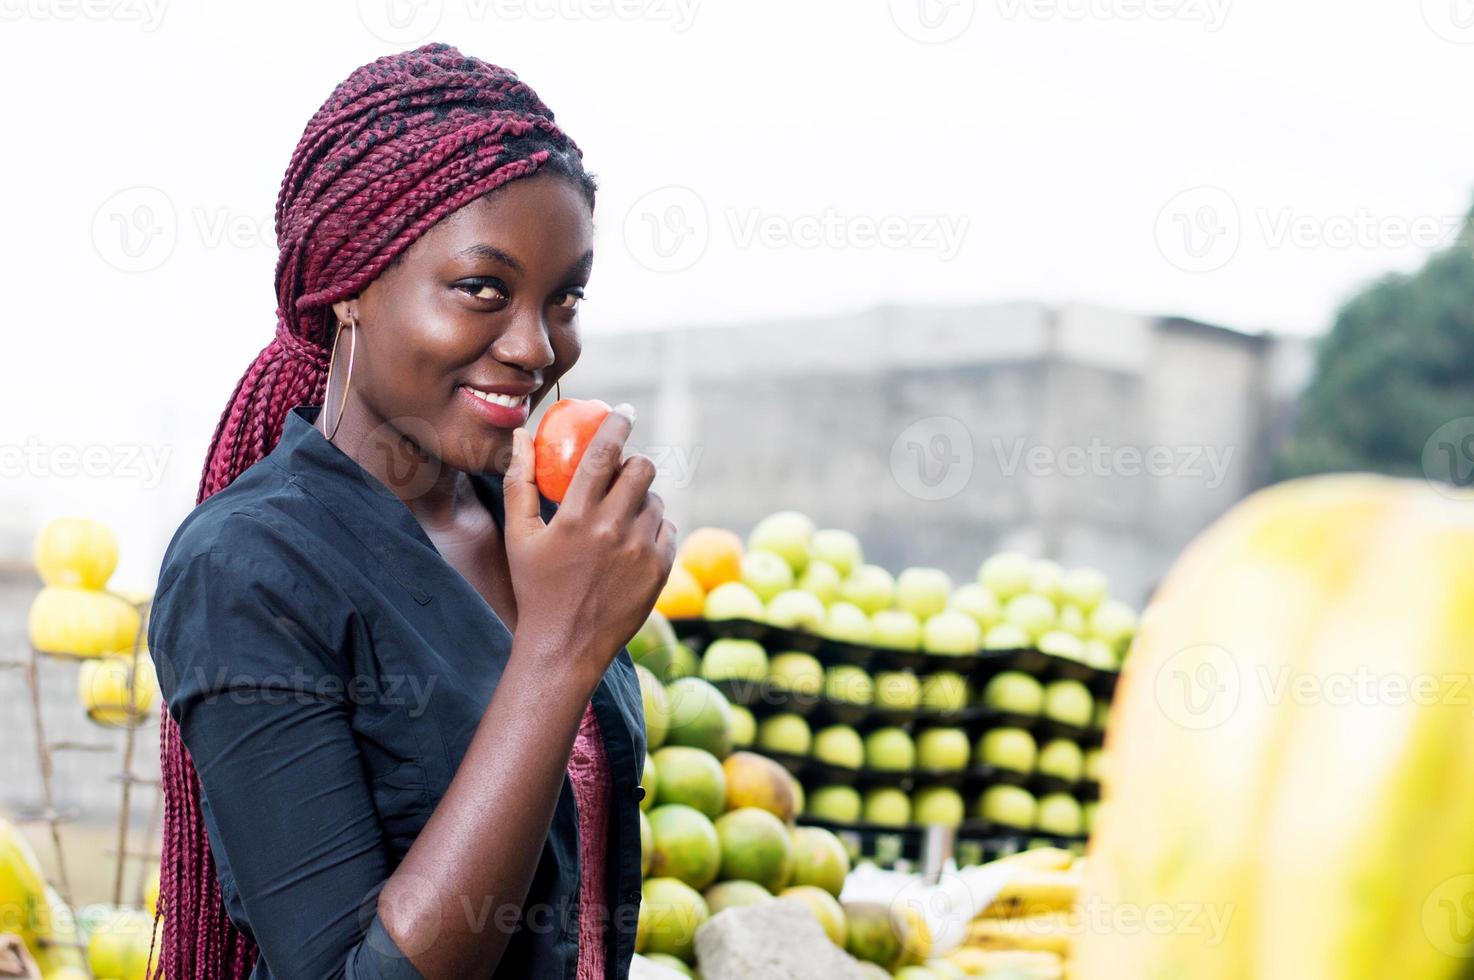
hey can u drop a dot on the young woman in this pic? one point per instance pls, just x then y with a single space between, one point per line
403 737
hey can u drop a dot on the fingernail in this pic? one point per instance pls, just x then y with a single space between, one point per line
626 409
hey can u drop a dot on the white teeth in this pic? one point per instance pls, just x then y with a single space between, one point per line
506 401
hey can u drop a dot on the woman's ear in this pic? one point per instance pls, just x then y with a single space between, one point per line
346 310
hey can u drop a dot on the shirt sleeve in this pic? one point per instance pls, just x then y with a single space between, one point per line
242 639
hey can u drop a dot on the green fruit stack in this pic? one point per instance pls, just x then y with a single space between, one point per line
904 701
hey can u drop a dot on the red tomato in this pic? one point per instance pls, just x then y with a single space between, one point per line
567 428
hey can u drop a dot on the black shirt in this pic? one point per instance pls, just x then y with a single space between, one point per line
327 669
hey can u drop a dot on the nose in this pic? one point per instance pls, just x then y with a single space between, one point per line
524 343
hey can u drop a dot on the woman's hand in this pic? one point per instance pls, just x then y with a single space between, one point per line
586 580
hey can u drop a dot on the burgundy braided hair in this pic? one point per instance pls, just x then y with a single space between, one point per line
400 144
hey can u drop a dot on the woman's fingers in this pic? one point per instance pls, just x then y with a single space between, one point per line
600 463
630 492
650 517
519 487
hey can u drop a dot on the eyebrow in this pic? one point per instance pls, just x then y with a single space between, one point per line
491 252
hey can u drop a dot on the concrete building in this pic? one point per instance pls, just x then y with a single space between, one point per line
938 435
941 435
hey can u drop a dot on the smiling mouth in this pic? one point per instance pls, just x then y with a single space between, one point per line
506 401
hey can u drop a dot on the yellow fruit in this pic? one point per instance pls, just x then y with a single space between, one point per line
56 944
73 622
118 947
102 685
66 973
1030 964
76 551
756 780
1292 785
1050 932
151 892
1041 858
1029 892
682 597
22 885
712 555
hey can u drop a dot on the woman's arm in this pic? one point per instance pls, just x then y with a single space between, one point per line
584 583
261 698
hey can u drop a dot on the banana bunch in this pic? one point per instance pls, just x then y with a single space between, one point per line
1026 931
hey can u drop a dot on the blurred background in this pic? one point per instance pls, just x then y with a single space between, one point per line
1067 277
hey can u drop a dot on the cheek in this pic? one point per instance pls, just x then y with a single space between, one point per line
566 348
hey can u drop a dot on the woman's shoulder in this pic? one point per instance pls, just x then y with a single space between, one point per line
255 525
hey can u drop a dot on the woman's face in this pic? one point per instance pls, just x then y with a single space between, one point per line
462 338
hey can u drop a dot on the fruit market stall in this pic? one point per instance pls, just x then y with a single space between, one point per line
78 619
823 730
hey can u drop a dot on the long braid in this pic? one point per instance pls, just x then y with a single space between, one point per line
400 144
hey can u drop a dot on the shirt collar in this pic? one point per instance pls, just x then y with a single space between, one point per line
363 502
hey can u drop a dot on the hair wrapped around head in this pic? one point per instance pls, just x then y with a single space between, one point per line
401 143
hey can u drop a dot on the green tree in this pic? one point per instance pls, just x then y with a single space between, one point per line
1397 364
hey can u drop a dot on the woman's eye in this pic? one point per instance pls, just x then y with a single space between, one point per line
571 299
484 289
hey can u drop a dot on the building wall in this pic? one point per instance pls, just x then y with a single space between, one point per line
1040 407
911 427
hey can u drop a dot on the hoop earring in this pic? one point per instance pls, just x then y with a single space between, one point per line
348 383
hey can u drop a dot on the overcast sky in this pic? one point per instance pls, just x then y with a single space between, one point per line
1247 162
